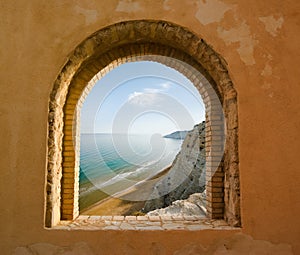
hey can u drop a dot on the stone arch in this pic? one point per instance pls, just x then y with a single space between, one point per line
159 41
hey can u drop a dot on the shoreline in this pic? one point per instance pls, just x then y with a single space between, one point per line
118 205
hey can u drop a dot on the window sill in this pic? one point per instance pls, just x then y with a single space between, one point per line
158 223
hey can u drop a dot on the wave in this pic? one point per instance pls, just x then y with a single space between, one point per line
102 167
129 176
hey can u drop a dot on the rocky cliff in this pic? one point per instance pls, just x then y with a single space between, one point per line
187 173
177 135
193 206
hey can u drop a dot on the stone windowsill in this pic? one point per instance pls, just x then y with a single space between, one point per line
85 222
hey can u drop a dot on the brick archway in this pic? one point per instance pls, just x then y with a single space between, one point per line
158 41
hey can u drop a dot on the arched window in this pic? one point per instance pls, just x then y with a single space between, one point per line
172 46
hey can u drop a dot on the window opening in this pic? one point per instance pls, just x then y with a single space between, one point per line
134 122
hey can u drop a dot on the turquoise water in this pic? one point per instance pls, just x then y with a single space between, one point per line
114 163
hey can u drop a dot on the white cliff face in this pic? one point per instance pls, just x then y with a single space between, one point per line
193 206
187 173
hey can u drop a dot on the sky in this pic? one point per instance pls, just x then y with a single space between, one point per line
142 98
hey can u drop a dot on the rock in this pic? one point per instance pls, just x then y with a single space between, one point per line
186 175
177 135
188 207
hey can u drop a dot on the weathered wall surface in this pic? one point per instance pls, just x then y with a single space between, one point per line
259 41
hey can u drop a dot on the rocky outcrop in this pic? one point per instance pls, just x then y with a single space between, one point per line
187 173
177 135
193 206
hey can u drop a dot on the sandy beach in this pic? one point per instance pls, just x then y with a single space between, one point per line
120 204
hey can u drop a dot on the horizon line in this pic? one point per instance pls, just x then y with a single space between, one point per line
105 133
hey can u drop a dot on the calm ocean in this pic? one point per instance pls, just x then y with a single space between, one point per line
114 163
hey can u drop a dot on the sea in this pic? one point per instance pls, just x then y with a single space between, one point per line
112 163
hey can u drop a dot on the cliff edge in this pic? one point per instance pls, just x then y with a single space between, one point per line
177 135
187 173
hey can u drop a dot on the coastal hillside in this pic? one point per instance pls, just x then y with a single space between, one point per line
187 173
177 135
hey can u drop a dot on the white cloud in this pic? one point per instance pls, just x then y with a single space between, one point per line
142 98
163 88
133 95
166 85
152 90
148 96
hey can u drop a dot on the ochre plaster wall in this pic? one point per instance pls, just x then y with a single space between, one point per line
259 41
